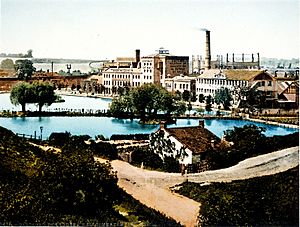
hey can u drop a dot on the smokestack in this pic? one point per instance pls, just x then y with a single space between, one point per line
137 55
207 64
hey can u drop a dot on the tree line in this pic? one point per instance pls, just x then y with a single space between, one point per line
147 102
39 93
23 67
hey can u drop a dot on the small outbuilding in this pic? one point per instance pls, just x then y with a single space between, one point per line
189 145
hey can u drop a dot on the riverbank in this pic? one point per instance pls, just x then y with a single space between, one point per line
273 123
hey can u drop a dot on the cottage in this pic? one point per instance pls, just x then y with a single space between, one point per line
188 144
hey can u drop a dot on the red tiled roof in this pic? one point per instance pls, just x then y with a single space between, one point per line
197 139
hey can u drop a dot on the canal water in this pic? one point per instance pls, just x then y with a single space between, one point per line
107 126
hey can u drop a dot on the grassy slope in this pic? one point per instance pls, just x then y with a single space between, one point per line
31 191
268 201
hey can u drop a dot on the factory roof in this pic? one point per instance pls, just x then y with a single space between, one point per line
181 78
231 74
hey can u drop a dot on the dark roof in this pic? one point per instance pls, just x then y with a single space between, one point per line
197 139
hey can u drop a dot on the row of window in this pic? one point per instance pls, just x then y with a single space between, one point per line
223 82
147 63
182 86
147 70
122 83
121 76
202 90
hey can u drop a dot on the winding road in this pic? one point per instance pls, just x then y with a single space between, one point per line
152 188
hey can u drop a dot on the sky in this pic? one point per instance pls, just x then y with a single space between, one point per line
106 29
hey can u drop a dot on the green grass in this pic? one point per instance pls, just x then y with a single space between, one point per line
264 201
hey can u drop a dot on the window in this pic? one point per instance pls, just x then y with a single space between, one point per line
270 83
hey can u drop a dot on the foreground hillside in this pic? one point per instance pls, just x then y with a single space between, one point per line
263 201
41 187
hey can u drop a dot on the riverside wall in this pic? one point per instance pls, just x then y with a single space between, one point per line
6 83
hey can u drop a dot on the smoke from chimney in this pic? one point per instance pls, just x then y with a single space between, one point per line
203 29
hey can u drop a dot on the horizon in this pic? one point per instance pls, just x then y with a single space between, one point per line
100 30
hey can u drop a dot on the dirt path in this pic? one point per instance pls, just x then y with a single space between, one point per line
153 188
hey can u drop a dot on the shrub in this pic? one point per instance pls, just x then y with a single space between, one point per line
263 201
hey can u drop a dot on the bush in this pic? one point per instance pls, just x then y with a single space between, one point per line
130 137
264 201
249 141
154 161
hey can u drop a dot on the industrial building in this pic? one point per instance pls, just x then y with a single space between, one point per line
133 72
213 80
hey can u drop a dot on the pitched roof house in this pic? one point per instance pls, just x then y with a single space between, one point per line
188 144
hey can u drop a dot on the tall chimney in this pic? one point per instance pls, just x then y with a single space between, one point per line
207 65
137 55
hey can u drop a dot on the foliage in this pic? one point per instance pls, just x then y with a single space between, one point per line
7 64
164 147
201 98
138 136
152 160
59 138
145 102
24 69
248 141
22 93
40 93
252 97
186 95
193 97
45 95
66 188
29 54
265 201
189 107
208 106
223 96
200 111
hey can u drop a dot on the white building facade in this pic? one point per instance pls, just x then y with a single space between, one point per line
211 81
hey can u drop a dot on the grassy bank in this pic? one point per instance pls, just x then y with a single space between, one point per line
265 201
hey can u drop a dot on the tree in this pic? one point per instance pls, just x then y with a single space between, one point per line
40 93
208 106
21 94
7 64
186 95
193 97
180 108
201 98
247 140
223 96
189 107
29 54
24 69
144 101
45 94
252 97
